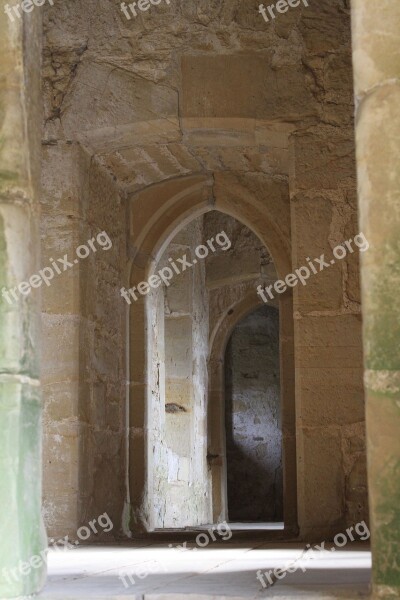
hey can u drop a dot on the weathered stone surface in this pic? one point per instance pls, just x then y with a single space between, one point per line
355 466
329 400
324 479
376 49
322 26
323 290
246 258
324 159
244 86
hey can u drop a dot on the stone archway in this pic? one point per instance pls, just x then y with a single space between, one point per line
216 415
163 210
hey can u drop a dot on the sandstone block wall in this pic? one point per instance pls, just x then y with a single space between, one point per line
83 345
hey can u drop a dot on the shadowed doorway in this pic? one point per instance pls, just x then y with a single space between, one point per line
253 419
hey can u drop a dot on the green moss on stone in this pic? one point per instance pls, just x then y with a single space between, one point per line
387 532
382 321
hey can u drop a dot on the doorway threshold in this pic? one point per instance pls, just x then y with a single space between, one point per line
242 526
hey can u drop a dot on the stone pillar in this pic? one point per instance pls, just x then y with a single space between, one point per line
376 57
23 542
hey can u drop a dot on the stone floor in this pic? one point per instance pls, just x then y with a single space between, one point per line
225 569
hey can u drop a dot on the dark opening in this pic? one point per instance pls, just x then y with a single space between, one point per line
253 419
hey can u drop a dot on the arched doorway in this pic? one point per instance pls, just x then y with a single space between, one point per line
149 412
253 419
209 263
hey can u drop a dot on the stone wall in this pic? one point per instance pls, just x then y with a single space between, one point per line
102 355
254 119
84 345
64 181
231 274
253 419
